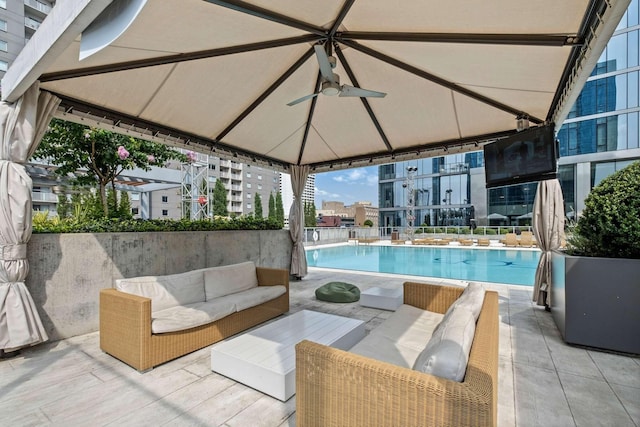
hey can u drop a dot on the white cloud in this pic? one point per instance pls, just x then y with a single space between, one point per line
357 176
320 192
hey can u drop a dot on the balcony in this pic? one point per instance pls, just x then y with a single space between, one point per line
37 6
31 23
44 197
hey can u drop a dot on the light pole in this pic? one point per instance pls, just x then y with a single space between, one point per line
408 184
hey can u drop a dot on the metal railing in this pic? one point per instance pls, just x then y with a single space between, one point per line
326 235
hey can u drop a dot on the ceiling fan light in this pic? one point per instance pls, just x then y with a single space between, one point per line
330 88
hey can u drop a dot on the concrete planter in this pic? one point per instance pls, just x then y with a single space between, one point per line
595 301
67 271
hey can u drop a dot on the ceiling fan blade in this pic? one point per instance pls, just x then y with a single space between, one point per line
304 98
347 90
323 62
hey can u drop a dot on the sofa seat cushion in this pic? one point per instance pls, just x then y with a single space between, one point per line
399 339
255 296
179 318
447 352
229 279
166 291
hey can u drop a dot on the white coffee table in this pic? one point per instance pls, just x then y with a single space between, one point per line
383 298
265 358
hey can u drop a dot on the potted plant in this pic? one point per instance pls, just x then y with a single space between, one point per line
596 280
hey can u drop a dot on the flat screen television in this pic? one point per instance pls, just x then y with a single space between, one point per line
526 156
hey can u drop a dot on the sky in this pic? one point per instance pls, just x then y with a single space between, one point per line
348 186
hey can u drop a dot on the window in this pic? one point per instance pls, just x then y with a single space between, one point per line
4 65
165 212
4 46
248 185
248 205
3 4
248 174
259 186
260 177
249 196
165 199
134 211
3 25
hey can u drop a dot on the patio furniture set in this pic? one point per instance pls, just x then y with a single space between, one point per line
433 361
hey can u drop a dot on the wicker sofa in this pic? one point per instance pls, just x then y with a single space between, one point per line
128 320
340 388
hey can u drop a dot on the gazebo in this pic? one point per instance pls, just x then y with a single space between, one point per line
298 86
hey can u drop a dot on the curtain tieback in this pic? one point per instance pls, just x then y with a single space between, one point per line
13 252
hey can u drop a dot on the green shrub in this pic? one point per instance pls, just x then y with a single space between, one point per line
610 223
490 231
42 224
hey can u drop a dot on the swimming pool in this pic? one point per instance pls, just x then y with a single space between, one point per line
517 267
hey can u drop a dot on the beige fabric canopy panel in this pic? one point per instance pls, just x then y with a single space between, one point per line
217 75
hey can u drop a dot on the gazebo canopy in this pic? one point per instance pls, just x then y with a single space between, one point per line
216 76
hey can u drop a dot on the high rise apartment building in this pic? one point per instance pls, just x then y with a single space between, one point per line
308 194
19 19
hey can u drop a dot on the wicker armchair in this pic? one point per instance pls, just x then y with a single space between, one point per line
337 388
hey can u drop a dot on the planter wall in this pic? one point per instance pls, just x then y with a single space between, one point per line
67 271
595 301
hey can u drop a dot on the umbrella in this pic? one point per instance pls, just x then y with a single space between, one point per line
23 125
496 215
548 227
528 215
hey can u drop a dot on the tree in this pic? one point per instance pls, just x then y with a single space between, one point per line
279 208
272 206
97 157
220 199
257 201
124 207
309 215
64 207
368 223
112 203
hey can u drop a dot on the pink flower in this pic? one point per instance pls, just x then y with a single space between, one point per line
151 158
122 152
87 135
191 156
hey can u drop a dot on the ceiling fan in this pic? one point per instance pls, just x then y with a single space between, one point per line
330 85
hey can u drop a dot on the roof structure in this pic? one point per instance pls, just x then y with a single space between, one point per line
216 76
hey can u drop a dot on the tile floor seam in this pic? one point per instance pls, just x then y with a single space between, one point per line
555 368
613 389
513 366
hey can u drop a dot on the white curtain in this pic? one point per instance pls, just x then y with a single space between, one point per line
22 125
548 227
296 221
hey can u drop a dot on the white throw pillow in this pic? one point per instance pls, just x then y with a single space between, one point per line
229 279
472 298
447 352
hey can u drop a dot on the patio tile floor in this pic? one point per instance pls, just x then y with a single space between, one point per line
542 381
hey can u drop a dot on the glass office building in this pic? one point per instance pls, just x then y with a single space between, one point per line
600 136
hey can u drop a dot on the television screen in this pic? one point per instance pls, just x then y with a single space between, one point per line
526 156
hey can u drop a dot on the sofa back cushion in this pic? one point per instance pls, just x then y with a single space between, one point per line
166 291
447 352
229 279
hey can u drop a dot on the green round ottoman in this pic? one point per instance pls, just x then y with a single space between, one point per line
338 292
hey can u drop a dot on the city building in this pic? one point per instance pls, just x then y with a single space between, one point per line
600 136
356 213
19 19
308 194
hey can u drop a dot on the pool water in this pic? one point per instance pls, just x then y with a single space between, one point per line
517 267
